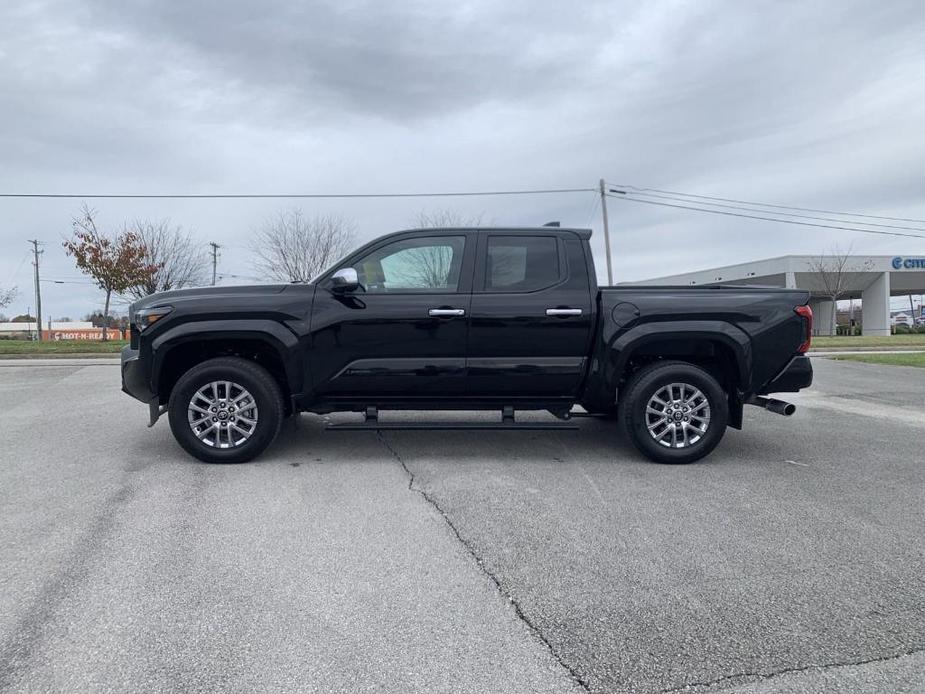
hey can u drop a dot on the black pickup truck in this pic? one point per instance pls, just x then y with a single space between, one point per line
466 319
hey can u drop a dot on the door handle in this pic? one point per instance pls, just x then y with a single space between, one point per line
446 312
563 311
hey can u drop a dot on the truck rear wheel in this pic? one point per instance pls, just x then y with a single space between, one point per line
674 412
226 410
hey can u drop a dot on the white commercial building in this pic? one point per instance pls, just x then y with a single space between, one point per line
29 326
872 279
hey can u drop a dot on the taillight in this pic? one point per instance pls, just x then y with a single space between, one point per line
807 314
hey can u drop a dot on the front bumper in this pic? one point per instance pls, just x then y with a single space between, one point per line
134 378
798 374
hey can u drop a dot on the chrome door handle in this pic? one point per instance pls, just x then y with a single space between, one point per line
446 312
563 311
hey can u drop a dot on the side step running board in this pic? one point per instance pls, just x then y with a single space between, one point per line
433 426
507 422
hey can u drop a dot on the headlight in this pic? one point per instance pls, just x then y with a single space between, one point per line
146 317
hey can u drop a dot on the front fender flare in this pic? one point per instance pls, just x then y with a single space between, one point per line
283 342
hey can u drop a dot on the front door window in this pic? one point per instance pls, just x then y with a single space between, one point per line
418 265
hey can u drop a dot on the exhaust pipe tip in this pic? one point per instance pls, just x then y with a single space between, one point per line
781 407
773 405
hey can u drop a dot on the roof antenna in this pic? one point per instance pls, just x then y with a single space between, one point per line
552 224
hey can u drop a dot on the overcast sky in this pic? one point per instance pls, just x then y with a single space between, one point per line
818 104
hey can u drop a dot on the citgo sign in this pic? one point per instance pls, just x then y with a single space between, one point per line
900 263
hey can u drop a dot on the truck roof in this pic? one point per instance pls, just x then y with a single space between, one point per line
581 233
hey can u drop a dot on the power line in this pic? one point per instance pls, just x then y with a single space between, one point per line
784 214
782 207
18 268
767 219
240 277
48 281
595 201
196 196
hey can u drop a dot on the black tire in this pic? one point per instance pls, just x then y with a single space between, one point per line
645 384
256 380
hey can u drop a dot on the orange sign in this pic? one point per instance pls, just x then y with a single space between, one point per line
81 334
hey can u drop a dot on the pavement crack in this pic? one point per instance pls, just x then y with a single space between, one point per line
30 630
470 549
745 677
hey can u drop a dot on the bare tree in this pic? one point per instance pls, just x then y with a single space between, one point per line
7 296
293 248
178 259
835 272
430 266
424 267
446 219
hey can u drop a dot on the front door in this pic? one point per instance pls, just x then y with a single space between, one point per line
402 333
530 318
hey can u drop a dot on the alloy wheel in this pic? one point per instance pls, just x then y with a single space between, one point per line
222 414
677 415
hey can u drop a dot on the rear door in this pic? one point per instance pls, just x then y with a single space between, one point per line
530 316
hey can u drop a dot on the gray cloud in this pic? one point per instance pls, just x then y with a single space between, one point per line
389 60
816 104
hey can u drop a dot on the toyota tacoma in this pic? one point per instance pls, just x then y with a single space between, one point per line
466 319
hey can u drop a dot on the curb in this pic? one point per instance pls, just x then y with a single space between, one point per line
61 361
864 351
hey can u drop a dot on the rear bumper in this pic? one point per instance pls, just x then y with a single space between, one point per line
798 374
134 378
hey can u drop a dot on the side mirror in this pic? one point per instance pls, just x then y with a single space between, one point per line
345 280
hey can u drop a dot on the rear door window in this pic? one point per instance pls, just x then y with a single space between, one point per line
522 263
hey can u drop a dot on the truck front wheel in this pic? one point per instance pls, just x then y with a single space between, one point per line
226 410
674 412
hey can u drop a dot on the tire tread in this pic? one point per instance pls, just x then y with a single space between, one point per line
250 369
632 393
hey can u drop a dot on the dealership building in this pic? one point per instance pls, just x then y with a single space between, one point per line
873 279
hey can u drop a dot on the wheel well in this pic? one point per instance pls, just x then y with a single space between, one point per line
185 356
713 356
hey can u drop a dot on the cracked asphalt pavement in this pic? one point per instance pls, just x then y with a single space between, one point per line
791 560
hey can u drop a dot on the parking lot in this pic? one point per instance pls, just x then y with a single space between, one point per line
791 560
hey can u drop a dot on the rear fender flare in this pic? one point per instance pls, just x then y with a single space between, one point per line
624 345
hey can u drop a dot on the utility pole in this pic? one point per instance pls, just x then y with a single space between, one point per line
38 292
215 248
851 316
606 232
